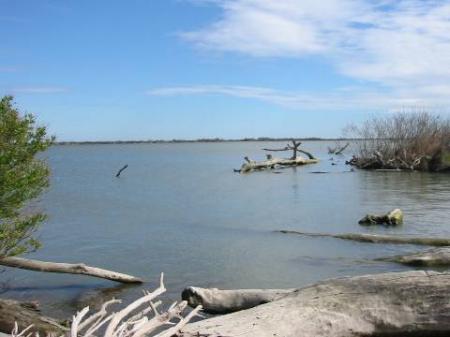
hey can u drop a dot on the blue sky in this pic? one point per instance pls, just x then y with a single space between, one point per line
162 69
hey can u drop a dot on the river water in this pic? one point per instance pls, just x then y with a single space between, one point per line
180 209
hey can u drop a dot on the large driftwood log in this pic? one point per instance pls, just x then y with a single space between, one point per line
78 268
437 257
216 301
374 238
414 303
25 315
252 165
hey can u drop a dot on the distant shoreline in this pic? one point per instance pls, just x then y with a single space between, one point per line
201 140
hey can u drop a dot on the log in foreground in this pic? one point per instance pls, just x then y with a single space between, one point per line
414 303
437 257
374 238
252 165
25 315
78 268
216 301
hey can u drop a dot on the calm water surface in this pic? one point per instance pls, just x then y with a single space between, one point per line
180 209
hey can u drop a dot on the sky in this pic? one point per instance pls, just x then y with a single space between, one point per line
163 69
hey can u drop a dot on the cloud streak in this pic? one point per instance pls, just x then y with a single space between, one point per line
351 98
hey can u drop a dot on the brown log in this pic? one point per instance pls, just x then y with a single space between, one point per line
414 303
78 268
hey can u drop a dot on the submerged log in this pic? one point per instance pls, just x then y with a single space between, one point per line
78 268
216 301
393 218
437 257
414 303
252 165
25 315
373 238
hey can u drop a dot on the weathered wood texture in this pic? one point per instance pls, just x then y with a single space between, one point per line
252 165
25 315
415 303
78 268
374 238
436 257
216 301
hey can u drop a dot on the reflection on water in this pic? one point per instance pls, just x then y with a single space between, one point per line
180 209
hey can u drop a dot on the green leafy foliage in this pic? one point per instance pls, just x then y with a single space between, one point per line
22 178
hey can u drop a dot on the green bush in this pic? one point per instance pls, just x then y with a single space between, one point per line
22 178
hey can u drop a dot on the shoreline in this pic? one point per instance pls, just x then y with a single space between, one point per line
200 140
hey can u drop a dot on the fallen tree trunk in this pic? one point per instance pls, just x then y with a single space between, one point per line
78 268
252 165
25 315
414 303
437 257
374 238
216 301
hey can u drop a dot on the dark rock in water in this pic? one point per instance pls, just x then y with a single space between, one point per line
393 218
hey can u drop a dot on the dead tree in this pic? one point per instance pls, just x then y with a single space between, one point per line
294 147
139 319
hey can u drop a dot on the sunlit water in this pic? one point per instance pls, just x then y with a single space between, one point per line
180 209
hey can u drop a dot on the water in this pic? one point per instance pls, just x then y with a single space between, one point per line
179 208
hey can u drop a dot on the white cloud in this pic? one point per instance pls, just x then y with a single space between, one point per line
403 45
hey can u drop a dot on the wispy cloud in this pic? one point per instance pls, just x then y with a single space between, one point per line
340 99
38 90
401 44
8 69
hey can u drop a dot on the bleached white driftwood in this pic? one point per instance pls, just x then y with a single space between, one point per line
414 303
132 321
252 165
77 268
219 301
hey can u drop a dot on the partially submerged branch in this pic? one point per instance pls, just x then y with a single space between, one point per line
271 163
374 238
78 268
437 257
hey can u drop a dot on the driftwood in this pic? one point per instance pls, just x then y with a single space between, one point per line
120 171
338 149
294 147
78 268
437 257
26 314
414 303
393 218
216 301
373 238
138 319
271 163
